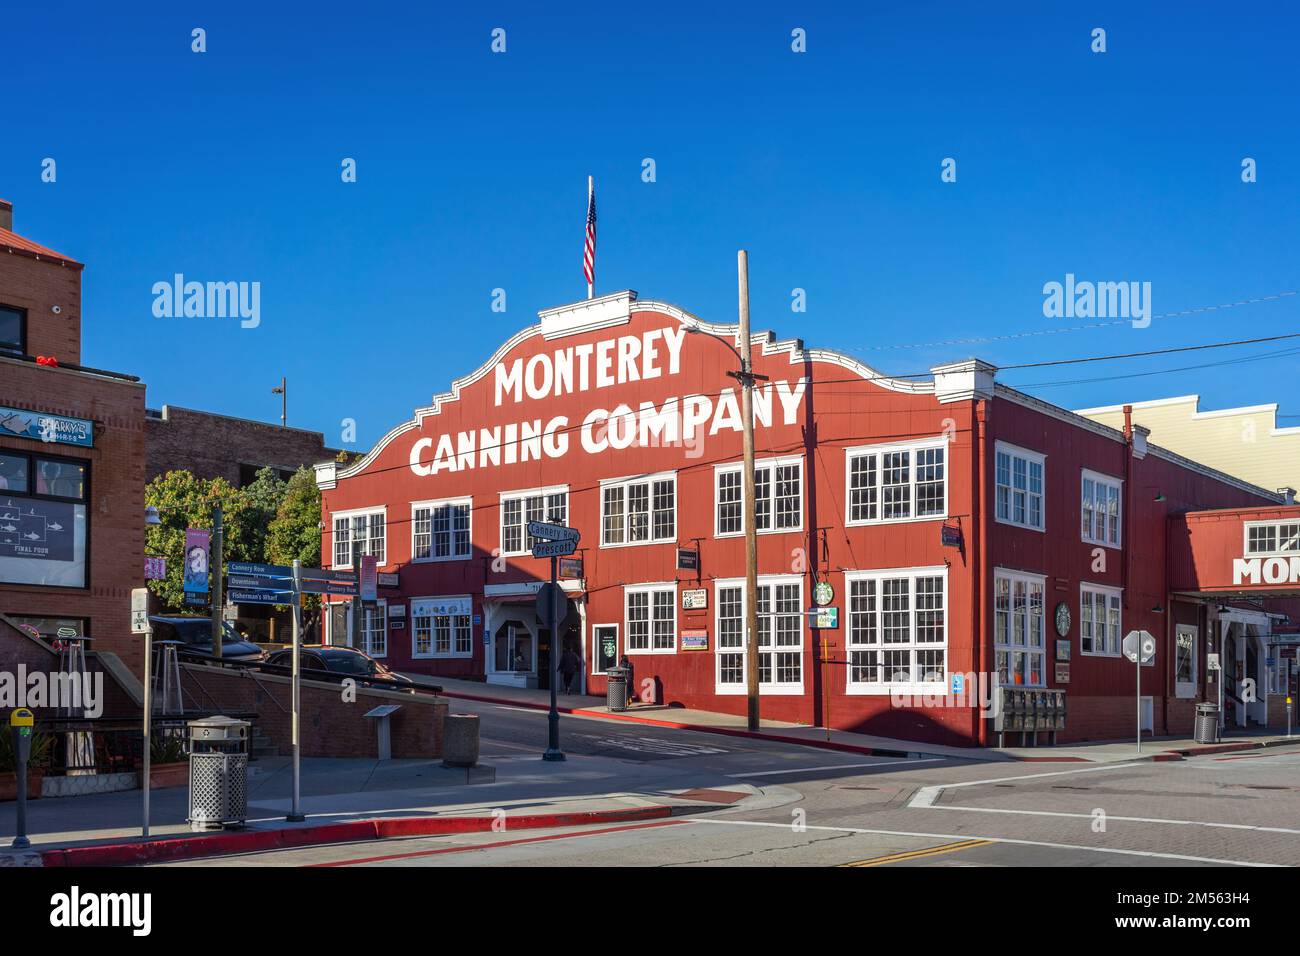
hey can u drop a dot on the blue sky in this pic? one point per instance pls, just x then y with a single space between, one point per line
472 174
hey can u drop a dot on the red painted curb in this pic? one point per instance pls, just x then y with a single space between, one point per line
353 831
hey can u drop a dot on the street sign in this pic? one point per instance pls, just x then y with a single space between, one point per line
1211 662
571 568
139 610
688 559
258 581
552 532
1139 646
260 596
337 588
555 549
260 570
546 607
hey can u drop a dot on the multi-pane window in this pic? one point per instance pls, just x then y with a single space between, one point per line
363 532
780 636
13 330
1100 509
1019 489
897 631
1019 628
440 627
778 496
1276 537
440 530
517 509
374 630
639 511
1099 620
651 619
898 482
44 519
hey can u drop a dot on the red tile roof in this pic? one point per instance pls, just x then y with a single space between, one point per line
12 242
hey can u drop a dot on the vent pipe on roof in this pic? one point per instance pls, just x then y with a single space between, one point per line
6 215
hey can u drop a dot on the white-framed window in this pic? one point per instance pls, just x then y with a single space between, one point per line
440 627
520 507
780 635
641 510
1186 638
1099 620
778 497
604 647
1020 628
651 618
897 482
440 530
1019 486
897 631
1272 537
365 529
1102 500
374 629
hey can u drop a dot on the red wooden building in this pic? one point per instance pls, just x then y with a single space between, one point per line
964 529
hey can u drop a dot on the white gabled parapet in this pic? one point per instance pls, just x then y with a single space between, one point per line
963 381
1140 435
326 474
587 315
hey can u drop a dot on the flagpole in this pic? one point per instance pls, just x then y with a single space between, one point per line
590 285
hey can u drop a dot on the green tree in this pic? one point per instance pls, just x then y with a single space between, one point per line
262 497
295 530
184 501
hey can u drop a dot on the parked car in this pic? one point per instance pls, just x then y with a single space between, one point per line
195 635
345 662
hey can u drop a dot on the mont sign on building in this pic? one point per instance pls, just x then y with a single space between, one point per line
940 529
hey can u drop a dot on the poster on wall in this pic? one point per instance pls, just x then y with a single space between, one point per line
42 542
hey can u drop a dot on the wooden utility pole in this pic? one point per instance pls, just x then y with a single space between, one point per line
746 377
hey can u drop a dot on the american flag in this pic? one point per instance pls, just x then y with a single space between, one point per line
589 252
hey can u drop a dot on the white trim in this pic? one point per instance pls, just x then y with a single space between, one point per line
1031 457
349 514
412 613
912 446
908 688
380 605
1028 578
1109 591
466 500
1100 479
1246 527
771 688
626 483
651 590
771 463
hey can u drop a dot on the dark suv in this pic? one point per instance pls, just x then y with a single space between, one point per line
195 634
343 662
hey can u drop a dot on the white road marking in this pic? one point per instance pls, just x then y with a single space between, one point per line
838 766
700 821
925 800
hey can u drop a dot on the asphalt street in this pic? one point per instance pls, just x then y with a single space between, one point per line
808 807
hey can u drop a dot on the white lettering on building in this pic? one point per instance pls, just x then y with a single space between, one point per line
1266 570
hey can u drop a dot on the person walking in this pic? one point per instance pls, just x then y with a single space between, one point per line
631 681
569 667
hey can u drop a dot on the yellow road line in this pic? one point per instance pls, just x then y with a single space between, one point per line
919 854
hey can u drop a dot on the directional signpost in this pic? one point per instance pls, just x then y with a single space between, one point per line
259 583
554 541
1139 647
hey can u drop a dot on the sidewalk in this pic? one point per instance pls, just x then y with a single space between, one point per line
1107 751
348 800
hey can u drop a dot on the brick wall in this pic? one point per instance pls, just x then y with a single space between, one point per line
38 285
329 727
18 649
116 507
214 446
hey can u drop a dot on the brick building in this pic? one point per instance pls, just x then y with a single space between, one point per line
954 528
222 446
71 459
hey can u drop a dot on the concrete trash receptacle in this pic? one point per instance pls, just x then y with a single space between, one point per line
616 688
460 740
1207 724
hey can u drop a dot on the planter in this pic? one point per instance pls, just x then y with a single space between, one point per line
9 785
168 775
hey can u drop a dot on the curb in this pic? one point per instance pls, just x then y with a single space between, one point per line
858 748
353 831
707 729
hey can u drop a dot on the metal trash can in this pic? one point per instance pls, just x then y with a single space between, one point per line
1207 724
616 688
218 748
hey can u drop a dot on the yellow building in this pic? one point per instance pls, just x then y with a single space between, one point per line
1244 442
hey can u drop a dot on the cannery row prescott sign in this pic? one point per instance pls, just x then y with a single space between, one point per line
576 369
